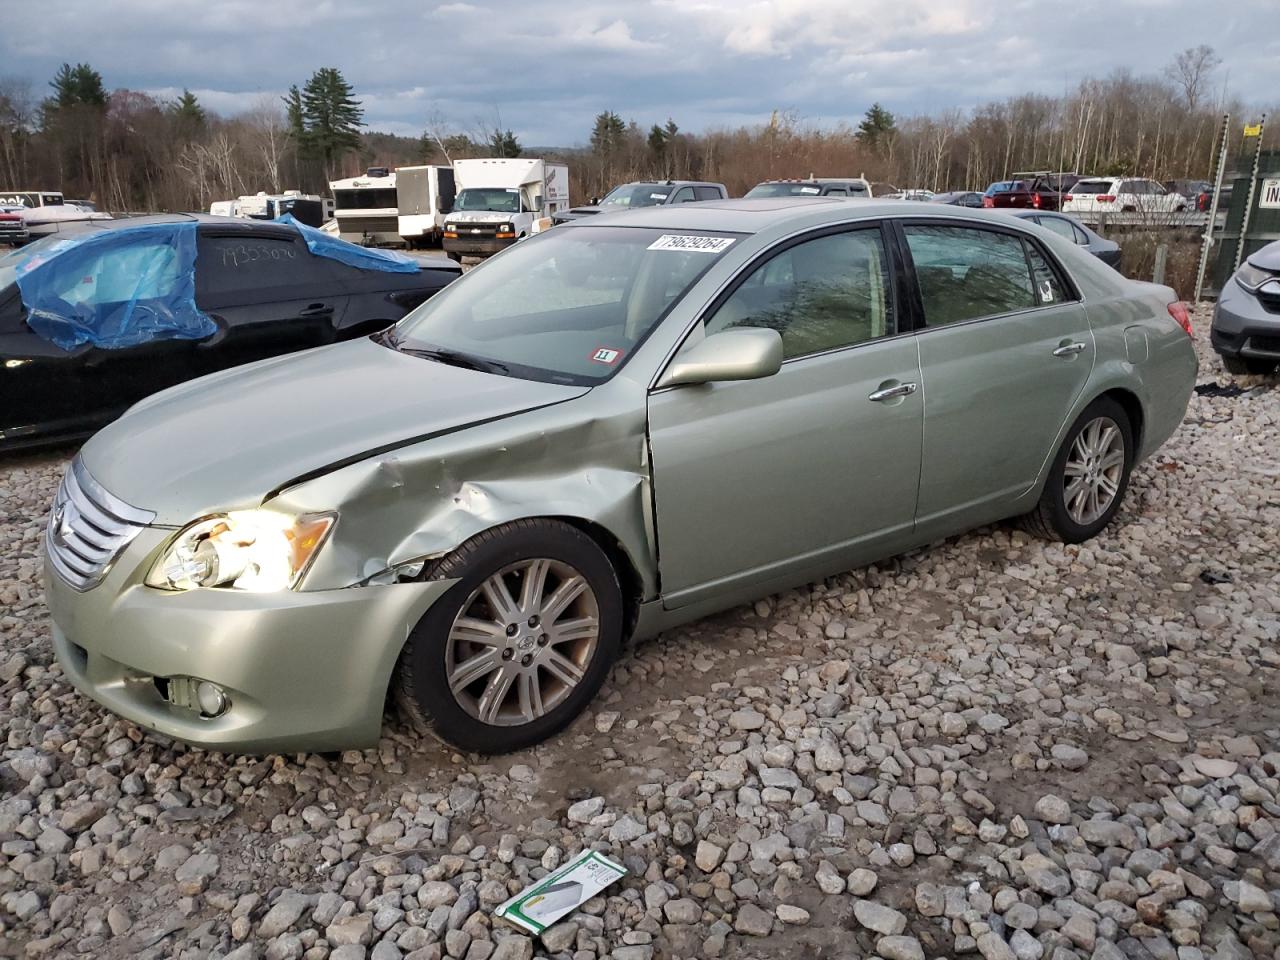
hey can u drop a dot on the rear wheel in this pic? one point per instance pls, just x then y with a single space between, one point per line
1088 477
1247 365
520 644
455 257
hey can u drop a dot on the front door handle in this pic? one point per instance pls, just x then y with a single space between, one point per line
1070 349
317 310
892 393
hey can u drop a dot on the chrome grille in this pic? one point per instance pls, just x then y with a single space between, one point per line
88 527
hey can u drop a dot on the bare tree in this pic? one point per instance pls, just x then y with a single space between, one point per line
268 133
1191 71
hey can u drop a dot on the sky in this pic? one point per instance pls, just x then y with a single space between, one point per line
545 68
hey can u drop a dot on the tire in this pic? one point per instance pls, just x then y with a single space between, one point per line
1242 366
1053 517
474 718
455 257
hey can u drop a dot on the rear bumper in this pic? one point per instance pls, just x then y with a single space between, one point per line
302 670
476 247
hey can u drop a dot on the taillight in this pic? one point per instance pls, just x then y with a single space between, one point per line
1035 201
1106 198
1178 310
988 202
1068 198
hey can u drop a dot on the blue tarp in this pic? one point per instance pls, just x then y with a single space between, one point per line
366 258
114 288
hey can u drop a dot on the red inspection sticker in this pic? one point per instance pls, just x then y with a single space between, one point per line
606 355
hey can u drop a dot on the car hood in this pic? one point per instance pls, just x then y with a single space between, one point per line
1268 258
228 440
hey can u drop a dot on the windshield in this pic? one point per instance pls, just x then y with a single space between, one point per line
495 199
568 306
366 198
11 261
19 199
637 195
1006 186
783 190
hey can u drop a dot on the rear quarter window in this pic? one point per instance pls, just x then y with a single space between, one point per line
234 269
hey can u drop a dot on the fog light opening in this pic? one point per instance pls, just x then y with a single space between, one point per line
211 699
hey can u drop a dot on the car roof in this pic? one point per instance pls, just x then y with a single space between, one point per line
757 215
205 220
816 180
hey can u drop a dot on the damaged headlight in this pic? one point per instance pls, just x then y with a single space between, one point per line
257 550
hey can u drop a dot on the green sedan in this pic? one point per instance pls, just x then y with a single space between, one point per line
614 427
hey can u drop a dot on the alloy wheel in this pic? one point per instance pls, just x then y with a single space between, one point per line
522 642
1093 471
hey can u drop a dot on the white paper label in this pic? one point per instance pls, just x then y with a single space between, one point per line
691 244
657 196
810 190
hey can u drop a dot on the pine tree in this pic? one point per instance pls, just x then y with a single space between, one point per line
333 117
188 116
293 114
606 136
877 125
503 143
80 85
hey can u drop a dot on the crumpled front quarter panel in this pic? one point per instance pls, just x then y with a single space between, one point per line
584 459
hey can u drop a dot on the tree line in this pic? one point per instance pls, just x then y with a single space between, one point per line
129 150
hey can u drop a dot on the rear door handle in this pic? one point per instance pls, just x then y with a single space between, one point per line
1070 349
892 393
317 310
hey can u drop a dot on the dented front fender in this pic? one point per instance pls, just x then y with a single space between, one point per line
583 459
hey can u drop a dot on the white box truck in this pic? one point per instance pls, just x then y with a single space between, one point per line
366 208
501 201
424 198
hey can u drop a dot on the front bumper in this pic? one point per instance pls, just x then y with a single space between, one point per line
476 246
302 670
1243 327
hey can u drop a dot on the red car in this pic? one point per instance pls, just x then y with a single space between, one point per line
1041 191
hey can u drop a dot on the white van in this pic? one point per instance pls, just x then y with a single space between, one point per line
501 201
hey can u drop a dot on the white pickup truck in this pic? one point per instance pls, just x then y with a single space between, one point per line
500 201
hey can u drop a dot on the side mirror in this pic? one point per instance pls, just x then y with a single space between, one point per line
744 353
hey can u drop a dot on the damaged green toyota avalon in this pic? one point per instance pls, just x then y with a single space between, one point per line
616 426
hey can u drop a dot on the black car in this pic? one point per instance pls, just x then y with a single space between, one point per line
646 193
958 198
258 290
1108 251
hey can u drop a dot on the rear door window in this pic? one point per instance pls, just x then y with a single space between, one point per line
707 193
248 269
1059 226
966 272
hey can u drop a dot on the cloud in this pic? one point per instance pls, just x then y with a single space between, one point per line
548 68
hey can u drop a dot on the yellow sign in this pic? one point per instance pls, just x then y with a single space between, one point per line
1252 130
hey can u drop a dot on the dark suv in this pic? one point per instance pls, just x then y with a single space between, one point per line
646 193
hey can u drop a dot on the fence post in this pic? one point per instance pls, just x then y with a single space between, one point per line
1162 258
1253 189
1206 242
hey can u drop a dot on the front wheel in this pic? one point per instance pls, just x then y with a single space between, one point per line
520 644
1088 477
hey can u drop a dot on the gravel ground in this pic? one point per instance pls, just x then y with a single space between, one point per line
995 746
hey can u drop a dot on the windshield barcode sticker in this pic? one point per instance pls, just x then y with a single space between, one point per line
692 244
